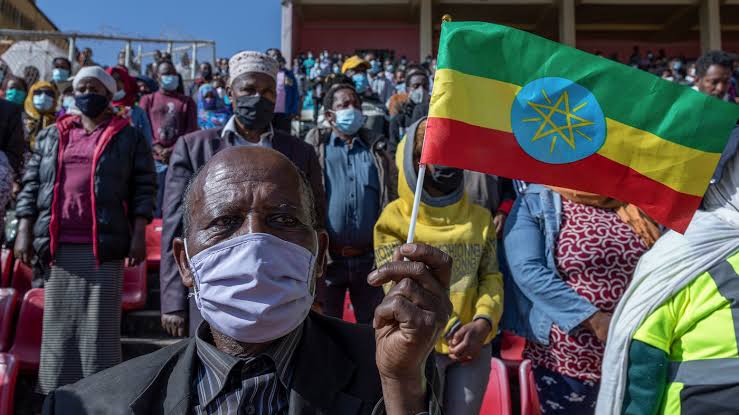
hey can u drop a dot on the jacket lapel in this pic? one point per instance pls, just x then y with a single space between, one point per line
281 144
322 371
173 381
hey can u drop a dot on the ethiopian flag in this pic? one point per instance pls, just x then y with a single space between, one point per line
510 103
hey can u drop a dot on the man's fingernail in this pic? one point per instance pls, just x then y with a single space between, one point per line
408 249
372 275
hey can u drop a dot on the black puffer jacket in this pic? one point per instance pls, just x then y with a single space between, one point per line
124 188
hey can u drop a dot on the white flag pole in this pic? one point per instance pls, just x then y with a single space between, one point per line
421 175
416 200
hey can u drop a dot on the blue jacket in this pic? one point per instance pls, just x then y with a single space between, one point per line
292 94
536 296
140 120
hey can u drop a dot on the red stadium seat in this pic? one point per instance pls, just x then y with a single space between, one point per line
497 400
348 310
6 267
527 385
8 305
134 287
8 377
511 347
22 277
27 344
154 244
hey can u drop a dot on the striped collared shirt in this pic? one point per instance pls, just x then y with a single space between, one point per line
259 384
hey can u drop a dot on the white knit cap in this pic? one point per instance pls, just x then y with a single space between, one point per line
249 61
97 73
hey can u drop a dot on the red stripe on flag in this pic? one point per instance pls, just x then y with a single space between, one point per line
457 144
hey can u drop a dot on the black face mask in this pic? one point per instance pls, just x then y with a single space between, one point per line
254 112
91 105
445 179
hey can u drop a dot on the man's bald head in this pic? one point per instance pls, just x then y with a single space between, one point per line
248 163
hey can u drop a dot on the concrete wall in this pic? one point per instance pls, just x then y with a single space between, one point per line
350 36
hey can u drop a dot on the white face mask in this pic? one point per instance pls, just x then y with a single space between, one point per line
254 288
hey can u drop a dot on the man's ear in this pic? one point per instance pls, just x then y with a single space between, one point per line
183 265
322 255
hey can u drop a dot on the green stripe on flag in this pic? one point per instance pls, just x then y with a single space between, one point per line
628 95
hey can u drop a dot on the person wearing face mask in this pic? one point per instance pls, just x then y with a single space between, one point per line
39 110
359 178
252 261
448 221
15 89
417 90
308 63
88 193
212 111
205 76
380 84
287 99
373 107
61 72
251 88
124 101
171 115
66 102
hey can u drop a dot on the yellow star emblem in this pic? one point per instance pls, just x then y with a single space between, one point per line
567 131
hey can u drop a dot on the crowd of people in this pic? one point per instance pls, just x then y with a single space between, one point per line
267 225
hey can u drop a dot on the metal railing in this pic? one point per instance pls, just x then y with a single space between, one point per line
71 38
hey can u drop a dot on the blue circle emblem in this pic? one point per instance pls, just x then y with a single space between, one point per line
557 121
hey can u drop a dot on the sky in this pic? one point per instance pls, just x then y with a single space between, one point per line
235 25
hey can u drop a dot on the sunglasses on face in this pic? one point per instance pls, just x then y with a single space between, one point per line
47 93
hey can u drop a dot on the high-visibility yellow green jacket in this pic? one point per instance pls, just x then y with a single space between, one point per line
684 358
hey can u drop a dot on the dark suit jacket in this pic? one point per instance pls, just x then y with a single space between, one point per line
191 153
11 134
335 373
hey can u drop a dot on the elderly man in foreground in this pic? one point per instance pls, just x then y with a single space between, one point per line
251 253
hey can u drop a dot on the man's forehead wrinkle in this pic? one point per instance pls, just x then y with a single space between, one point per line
226 171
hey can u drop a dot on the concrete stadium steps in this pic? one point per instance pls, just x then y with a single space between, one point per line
141 330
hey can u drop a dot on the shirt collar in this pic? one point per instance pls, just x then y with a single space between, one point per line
230 131
336 140
221 364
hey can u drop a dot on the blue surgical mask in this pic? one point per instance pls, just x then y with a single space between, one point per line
418 95
68 102
349 120
169 82
59 74
43 102
361 83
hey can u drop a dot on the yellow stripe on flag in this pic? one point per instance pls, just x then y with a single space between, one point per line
474 100
487 103
681 168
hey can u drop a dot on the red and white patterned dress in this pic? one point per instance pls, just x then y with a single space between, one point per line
596 255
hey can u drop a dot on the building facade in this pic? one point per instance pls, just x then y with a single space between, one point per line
411 27
25 15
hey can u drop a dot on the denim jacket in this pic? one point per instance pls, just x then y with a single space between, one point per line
536 296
